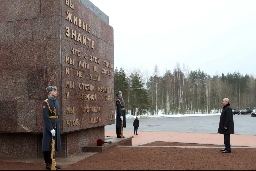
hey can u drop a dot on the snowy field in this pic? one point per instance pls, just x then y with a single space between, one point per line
202 123
160 114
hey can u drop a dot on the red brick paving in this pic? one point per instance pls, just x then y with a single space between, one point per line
154 158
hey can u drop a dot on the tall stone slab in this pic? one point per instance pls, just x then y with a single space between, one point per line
67 43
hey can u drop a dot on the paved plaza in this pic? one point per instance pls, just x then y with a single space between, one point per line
244 124
194 129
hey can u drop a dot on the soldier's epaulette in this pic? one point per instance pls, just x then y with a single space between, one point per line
118 101
51 111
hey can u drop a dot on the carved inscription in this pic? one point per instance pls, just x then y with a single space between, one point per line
68 71
70 110
67 95
111 117
88 109
106 72
76 52
95 120
86 87
108 98
94 59
79 74
81 38
70 84
105 90
70 4
70 61
89 97
81 63
94 77
95 69
108 64
78 22
71 123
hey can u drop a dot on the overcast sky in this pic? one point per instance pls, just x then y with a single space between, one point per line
215 36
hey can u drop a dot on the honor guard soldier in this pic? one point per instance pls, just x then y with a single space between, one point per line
51 129
120 115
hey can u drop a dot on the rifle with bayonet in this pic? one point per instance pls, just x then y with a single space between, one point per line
53 166
122 124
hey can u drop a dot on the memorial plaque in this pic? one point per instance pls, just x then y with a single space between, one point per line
62 43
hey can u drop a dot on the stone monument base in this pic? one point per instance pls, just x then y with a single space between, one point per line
23 145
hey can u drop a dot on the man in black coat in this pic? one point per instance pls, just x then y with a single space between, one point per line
120 114
226 124
136 124
51 130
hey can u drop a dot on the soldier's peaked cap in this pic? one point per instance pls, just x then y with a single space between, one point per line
50 88
119 92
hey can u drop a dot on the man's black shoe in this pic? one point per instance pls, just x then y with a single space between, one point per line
137 134
225 151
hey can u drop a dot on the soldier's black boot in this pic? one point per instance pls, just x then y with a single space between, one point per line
48 166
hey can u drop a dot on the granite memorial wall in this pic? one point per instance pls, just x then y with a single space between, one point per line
67 43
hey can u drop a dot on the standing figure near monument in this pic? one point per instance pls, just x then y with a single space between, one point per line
136 124
51 130
226 124
120 115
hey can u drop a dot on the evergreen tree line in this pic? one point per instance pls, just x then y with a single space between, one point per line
184 91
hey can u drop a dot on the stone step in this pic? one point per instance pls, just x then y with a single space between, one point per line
126 141
87 152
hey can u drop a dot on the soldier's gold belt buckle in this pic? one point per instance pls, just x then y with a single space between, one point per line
53 117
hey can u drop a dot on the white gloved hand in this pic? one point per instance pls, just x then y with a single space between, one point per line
121 117
53 132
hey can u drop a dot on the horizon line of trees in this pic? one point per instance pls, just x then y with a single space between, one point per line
183 91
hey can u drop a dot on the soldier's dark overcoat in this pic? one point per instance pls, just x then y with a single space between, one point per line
120 111
50 124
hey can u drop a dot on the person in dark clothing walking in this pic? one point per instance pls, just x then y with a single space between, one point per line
51 130
136 124
226 124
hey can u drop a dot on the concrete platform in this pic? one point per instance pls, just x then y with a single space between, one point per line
126 141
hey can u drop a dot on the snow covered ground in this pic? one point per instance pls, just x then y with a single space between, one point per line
160 114
175 115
